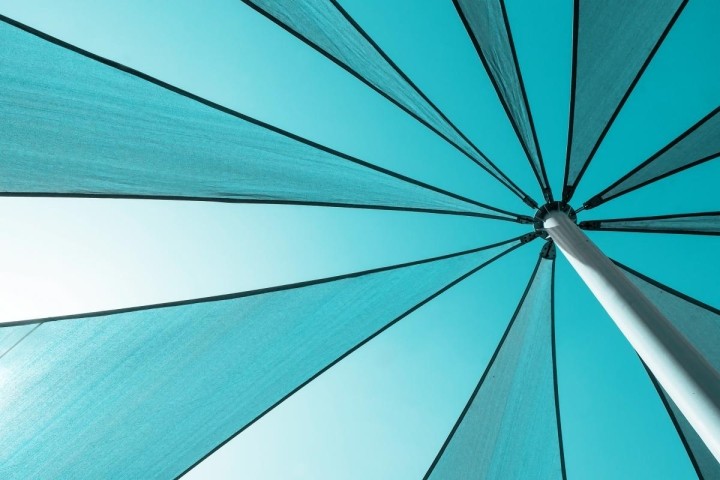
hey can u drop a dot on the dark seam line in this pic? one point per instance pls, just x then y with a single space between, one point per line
655 156
555 375
402 74
663 150
249 293
528 200
661 217
566 192
485 373
20 340
375 88
669 290
620 105
651 230
354 73
657 178
517 218
674 420
343 356
496 86
544 183
507 182
600 225
167 86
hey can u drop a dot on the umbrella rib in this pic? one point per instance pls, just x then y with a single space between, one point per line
485 373
555 375
510 184
19 340
494 171
638 226
230 296
674 420
234 113
664 289
591 203
600 198
353 349
512 217
669 290
569 189
541 176
544 183
573 83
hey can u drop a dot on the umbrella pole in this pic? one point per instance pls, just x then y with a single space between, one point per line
692 383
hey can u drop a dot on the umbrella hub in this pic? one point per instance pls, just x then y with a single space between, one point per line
543 211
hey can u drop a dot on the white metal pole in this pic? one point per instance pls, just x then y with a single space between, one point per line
691 382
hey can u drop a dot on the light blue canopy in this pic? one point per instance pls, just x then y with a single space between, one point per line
151 391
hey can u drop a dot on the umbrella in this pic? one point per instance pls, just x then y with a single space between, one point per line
153 389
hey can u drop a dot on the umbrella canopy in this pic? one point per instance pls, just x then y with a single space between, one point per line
311 210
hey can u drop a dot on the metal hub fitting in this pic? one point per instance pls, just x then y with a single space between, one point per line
542 213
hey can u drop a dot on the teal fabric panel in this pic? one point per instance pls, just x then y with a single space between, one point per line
700 324
509 429
147 393
320 23
705 223
323 25
486 24
12 336
699 144
614 40
709 468
74 125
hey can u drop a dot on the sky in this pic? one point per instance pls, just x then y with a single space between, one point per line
384 411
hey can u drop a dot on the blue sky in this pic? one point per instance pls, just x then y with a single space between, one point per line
385 410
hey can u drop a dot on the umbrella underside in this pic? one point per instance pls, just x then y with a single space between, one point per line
151 391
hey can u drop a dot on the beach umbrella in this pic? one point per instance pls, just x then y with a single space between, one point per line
155 389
